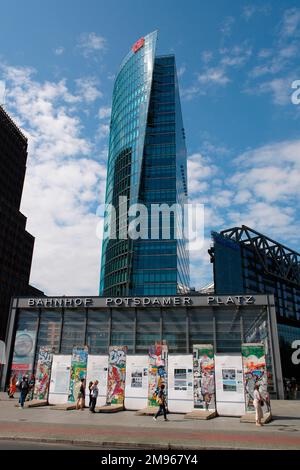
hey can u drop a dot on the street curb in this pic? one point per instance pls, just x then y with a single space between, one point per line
119 445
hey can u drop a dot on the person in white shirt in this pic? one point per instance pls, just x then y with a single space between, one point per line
257 402
95 393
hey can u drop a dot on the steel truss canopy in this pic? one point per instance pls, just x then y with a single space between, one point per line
276 259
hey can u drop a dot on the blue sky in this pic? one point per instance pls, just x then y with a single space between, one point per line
236 63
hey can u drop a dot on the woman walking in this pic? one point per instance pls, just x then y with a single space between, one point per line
258 403
161 400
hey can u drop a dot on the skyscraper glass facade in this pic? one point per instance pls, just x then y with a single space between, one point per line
246 261
146 165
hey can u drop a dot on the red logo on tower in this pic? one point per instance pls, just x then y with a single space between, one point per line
138 44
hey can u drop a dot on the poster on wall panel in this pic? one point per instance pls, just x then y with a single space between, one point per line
136 388
180 383
43 373
97 369
255 372
157 371
204 377
78 371
230 397
116 375
60 379
24 351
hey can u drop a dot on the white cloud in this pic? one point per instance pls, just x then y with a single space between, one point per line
91 43
2 91
279 89
250 11
214 76
207 56
227 25
264 53
103 131
219 73
87 89
62 186
199 169
181 71
260 188
59 50
104 112
290 22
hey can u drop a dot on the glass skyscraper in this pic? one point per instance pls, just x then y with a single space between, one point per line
246 261
146 165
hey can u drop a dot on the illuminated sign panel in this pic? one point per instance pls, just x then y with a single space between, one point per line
136 46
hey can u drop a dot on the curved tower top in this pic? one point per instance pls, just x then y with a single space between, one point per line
145 95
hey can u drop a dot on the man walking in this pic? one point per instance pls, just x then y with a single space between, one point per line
24 387
161 400
95 393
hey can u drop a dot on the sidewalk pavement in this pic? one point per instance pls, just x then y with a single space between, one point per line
126 430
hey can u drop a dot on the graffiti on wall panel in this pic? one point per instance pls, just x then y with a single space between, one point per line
255 372
204 377
116 375
78 371
157 371
43 372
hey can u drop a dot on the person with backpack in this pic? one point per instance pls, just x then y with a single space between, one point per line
24 387
31 384
161 400
95 393
81 396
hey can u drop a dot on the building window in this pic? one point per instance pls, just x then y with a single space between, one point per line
122 328
73 333
98 331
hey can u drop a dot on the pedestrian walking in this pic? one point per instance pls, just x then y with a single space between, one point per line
95 393
31 384
268 402
12 386
258 404
81 396
294 388
90 393
288 389
161 400
24 387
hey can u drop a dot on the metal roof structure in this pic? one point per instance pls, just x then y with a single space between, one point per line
276 259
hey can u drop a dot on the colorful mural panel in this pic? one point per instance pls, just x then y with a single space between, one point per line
255 372
116 375
157 371
78 371
204 377
23 357
43 373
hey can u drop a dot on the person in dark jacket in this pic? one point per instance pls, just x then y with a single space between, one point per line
95 393
161 400
24 387
90 393
31 384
